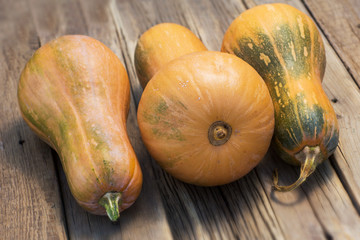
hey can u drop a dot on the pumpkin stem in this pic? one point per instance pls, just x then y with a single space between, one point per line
309 161
111 202
219 133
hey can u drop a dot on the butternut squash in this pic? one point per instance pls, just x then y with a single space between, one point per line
285 47
161 44
74 94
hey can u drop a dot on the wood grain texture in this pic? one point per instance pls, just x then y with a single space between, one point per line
340 22
327 206
30 200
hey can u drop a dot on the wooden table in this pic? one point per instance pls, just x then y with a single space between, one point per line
35 201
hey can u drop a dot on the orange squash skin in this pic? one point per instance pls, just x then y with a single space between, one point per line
285 47
74 94
161 44
186 97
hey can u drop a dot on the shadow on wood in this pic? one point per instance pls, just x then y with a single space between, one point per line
288 174
217 212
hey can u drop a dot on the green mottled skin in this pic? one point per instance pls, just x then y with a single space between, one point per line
287 56
160 126
141 64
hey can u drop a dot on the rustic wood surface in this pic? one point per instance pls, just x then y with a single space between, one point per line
35 201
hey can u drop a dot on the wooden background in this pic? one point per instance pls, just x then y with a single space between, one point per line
35 202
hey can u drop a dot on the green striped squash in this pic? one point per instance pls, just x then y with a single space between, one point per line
285 47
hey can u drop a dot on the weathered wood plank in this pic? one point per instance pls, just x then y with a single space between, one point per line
321 197
31 205
212 18
347 105
340 22
146 218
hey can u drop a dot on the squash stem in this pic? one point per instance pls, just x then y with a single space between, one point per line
308 158
111 202
219 133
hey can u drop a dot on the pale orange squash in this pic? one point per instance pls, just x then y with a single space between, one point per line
207 118
161 44
74 93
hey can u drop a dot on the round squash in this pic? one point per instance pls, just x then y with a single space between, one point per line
161 44
285 47
206 118
74 94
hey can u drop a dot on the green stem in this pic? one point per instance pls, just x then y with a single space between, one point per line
111 202
309 161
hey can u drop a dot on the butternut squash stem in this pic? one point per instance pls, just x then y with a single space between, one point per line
111 202
308 158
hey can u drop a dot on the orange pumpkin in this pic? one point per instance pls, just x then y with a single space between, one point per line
74 93
161 44
207 118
